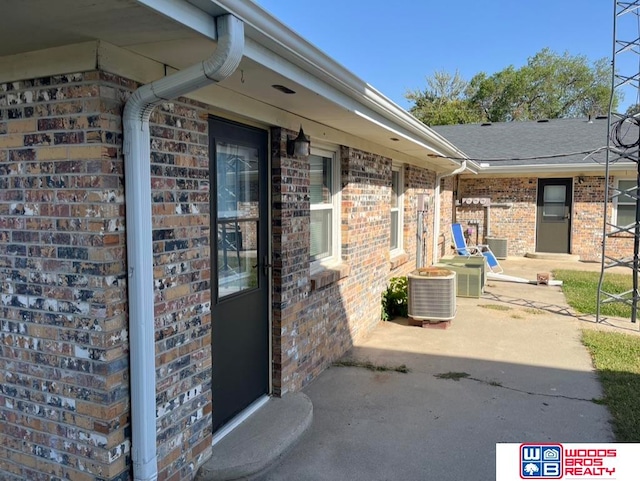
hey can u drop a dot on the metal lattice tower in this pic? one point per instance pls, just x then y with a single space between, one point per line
623 143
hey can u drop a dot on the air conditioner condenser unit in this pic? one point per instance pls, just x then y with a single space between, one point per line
432 294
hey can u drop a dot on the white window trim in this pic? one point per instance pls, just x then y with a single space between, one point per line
615 200
336 198
400 249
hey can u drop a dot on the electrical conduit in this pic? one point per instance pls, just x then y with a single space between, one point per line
137 153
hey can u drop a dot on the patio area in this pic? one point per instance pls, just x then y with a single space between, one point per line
510 368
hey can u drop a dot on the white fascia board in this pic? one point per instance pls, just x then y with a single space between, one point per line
230 104
313 61
472 167
592 167
268 58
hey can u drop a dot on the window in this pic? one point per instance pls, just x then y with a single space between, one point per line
397 223
554 201
325 207
625 205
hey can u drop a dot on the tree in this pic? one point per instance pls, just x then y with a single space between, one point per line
566 86
549 86
499 97
443 102
633 110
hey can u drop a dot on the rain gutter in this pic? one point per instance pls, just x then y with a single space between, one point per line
137 152
593 167
313 69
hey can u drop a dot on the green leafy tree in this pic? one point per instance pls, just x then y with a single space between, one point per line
549 86
633 109
443 102
566 86
499 97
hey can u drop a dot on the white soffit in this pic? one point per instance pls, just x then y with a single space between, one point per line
28 25
325 92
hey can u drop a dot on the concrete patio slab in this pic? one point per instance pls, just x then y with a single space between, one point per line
511 368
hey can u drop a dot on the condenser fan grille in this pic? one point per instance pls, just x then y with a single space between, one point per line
432 296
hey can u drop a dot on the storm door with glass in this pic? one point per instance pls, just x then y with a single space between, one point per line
240 267
553 224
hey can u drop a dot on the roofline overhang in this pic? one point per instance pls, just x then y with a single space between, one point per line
472 167
552 169
268 33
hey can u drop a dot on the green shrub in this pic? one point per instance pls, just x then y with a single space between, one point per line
394 299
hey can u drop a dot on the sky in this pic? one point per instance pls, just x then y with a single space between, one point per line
395 45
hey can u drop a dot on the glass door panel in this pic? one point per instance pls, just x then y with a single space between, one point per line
554 201
237 218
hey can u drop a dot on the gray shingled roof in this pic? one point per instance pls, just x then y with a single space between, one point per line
517 140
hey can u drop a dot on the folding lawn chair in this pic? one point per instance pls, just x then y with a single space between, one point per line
460 243
462 249
492 262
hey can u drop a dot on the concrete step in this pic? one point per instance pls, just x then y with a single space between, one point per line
260 441
552 256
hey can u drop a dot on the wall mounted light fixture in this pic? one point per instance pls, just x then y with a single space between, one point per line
300 146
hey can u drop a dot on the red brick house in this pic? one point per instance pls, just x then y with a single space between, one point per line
535 185
167 258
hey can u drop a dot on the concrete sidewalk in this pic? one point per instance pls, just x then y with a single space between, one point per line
523 376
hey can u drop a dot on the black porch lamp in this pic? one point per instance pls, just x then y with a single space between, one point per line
300 146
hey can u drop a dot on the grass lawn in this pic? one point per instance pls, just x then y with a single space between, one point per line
580 288
615 356
617 359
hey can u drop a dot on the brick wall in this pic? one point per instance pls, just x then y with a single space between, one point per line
316 318
64 387
516 220
514 214
182 277
588 209
447 199
63 340
366 224
290 258
416 181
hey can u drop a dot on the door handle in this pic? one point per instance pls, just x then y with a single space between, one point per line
266 268
265 265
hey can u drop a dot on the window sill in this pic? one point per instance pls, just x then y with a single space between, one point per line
398 259
327 275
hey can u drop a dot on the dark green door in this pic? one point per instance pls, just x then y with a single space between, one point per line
553 225
240 270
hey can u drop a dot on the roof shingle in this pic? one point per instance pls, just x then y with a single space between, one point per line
515 141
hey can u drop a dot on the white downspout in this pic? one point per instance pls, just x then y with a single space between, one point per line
436 208
137 153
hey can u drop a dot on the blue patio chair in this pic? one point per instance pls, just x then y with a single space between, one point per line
492 262
460 243
462 249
